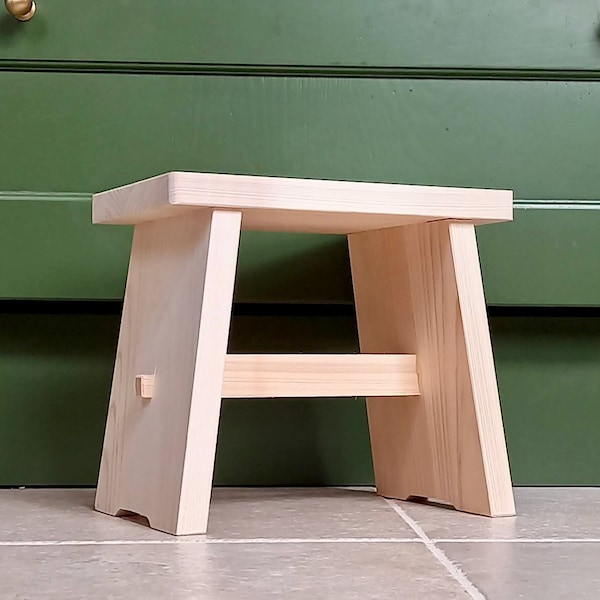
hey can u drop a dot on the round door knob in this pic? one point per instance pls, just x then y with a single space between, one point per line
20 9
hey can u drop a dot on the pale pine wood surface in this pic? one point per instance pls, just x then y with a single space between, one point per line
422 325
305 375
299 205
482 384
158 455
418 290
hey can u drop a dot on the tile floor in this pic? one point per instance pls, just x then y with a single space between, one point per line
303 543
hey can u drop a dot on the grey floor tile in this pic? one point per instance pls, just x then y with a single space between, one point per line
554 513
62 515
226 571
303 513
59 515
534 571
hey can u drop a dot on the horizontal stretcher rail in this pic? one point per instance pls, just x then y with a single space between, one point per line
305 375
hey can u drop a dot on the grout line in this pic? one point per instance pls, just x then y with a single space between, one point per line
439 554
38 543
192 541
314 541
184 541
515 540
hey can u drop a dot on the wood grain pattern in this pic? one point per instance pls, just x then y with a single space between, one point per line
304 375
158 456
419 297
299 205
418 290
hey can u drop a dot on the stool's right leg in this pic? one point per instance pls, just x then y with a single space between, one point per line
418 290
159 452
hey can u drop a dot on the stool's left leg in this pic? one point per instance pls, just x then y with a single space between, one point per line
160 440
418 290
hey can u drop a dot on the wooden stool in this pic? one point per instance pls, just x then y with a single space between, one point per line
427 368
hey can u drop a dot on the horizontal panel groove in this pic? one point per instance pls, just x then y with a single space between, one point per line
319 375
557 204
285 310
554 312
17 306
114 307
6 196
267 70
294 309
519 203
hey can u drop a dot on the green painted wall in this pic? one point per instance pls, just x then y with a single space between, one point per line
85 132
49 249
514 34
453 93
55 372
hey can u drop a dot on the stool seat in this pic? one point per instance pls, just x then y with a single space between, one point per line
426 364
299 205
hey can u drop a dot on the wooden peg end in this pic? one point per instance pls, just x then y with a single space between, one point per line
144 386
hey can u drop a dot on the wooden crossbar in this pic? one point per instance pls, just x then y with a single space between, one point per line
305 375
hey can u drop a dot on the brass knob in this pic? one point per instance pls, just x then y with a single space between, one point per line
20 9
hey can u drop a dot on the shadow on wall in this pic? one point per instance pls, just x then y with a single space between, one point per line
55 376
283 267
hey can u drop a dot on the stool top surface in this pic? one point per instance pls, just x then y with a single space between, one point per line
299 205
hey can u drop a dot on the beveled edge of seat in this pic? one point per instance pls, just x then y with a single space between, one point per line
310 205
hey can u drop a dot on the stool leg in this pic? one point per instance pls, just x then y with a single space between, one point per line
159 452
418 289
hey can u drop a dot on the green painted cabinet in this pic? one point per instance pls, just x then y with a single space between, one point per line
486 94
337 34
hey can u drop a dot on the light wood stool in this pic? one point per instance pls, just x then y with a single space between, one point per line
427 367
